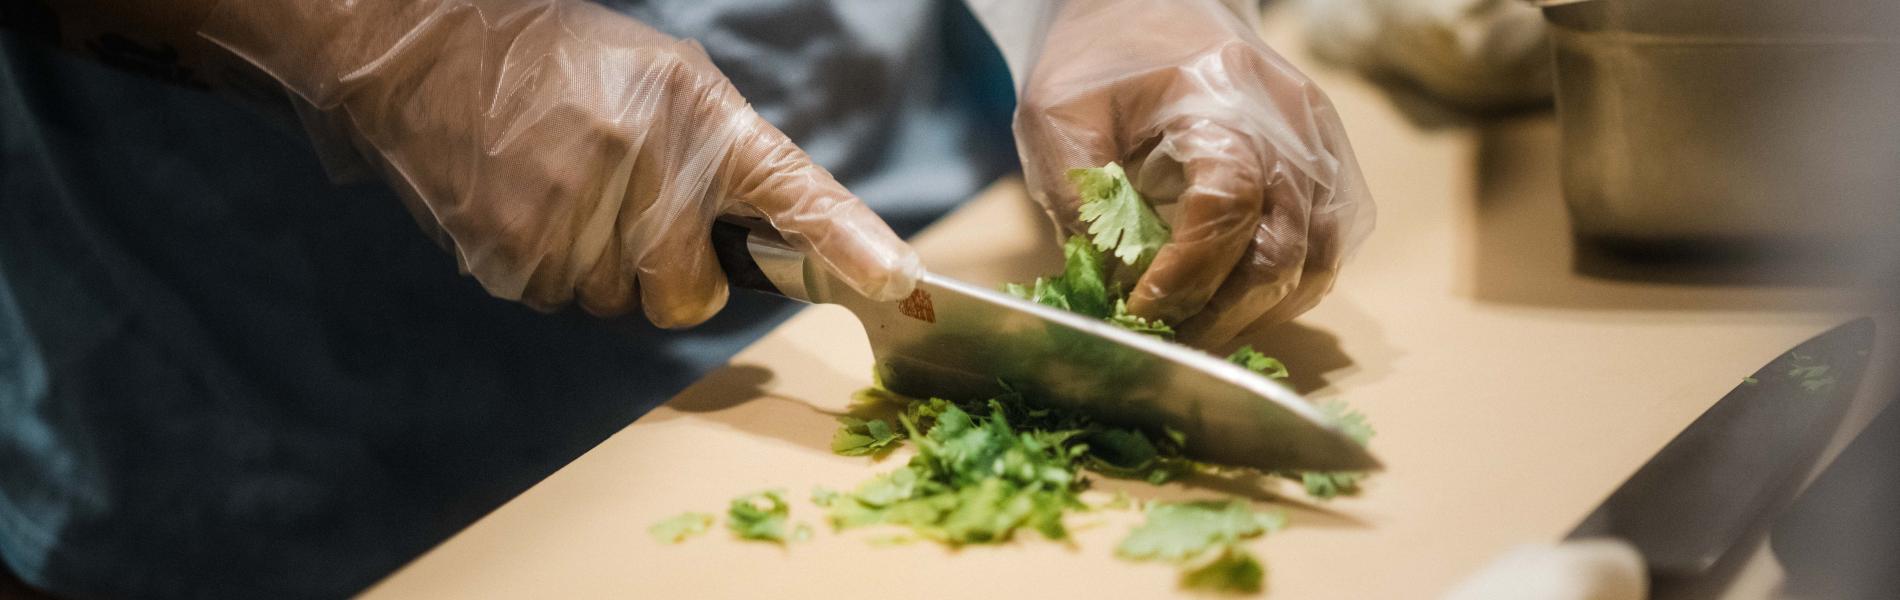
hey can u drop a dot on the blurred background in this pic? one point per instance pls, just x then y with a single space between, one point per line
1743 154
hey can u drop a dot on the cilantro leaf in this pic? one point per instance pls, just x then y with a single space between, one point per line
1254 361
859 437
1121 222
1234 571
1204 537
1181 531
759 516
1081 288
1326 485
1348 420
1132 454
1123 319
677 528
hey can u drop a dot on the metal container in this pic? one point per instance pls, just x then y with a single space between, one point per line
1729 120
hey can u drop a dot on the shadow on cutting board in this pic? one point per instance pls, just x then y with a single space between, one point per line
735 396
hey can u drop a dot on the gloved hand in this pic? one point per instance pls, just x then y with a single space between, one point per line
564 151
1204 115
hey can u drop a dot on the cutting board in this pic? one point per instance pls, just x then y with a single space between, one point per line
1510 393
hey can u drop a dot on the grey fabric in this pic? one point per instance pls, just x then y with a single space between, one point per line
222 375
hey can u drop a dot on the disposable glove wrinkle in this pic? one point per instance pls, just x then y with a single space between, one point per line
567 153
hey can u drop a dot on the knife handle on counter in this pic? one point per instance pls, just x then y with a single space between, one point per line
754 257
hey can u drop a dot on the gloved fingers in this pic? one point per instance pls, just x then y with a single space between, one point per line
676 187
545 292
1057 135
1325 252
1273 268
1219 209
609 289
1256 284
816 215
680 283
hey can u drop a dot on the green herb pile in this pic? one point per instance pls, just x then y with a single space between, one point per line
983 470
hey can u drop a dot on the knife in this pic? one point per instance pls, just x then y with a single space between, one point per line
1703 491
958 341
1719 479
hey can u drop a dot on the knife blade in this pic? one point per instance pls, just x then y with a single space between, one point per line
1710 485
955 340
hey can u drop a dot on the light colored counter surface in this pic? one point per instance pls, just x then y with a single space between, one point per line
1510 396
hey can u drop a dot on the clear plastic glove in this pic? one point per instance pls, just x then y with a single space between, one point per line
564 151
1203 115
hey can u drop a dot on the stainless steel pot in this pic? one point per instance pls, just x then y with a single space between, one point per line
1717 120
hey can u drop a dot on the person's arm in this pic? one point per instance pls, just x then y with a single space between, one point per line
566 153
1203 114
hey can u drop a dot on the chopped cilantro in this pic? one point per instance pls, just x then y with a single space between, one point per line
1234 571
1082 287
1348 421
1125 320
974 480
676 529
1326 485
759 516
859 437
1205 538
1254 361
1179 531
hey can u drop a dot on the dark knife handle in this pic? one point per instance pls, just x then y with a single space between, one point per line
755 258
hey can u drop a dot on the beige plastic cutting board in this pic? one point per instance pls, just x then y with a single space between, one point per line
1510 395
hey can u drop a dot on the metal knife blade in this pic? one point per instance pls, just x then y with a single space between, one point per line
955 340
1686 507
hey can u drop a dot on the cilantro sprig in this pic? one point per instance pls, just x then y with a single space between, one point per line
1121 221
